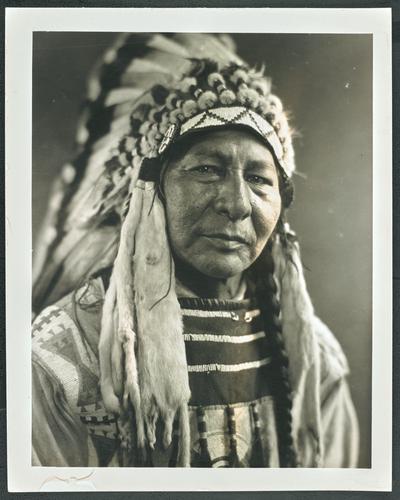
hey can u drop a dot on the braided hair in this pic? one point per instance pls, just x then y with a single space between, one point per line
268 296
271 312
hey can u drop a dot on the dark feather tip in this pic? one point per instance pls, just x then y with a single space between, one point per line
159 94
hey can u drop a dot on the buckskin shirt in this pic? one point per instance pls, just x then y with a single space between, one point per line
231 406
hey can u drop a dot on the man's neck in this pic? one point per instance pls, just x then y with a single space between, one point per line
193 283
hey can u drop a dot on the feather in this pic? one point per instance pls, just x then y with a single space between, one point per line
146 66
48 231
111 140
123 110
208 47
165 44
120 126
175 64
116 96
146 80
80 253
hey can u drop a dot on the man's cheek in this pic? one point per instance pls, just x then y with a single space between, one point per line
181 230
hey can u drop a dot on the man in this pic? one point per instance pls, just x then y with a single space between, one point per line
193 341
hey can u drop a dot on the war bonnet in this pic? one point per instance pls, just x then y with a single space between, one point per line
147 93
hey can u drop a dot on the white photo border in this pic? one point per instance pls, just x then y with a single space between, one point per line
20 24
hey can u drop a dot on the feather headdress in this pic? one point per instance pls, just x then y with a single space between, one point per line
147 92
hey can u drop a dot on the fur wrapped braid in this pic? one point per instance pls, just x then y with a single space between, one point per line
161 352
150 343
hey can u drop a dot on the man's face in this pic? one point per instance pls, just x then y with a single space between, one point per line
222 202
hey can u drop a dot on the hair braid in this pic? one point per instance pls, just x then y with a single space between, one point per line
271 311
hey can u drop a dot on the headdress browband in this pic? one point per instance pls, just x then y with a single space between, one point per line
232 116
235 116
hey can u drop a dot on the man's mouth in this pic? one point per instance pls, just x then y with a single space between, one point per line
228 237
226 240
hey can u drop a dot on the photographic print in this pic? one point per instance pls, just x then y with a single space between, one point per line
202 250
172 309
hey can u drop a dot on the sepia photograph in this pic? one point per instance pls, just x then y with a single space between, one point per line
173 321
206 253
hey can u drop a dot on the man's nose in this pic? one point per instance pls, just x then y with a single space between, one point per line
233 199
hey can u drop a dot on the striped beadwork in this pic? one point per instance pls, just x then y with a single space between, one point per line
227 351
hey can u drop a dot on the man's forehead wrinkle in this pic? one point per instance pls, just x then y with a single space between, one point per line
207 149
232 154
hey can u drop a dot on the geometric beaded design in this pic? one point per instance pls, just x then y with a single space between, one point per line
235 115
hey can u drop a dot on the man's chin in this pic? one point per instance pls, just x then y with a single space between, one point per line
222 268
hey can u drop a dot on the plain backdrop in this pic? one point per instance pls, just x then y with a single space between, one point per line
326 83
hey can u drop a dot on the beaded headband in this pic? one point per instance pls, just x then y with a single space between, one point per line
224 117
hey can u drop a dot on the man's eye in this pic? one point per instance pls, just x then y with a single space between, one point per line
258 179
207 169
